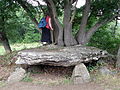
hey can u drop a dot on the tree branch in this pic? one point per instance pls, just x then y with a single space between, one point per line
85 15
23 4
40 6
74 12
98 25
67 12
80 35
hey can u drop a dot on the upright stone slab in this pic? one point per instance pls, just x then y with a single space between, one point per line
80 74
16 76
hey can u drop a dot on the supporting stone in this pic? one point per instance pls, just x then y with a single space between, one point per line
16 76
80 74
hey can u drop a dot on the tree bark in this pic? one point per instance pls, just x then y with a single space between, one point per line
58 26
118 59
68 37
82 31
3 36
5 42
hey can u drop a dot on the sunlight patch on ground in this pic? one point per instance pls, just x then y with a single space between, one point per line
19 46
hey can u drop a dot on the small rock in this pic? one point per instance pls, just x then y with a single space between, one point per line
105 71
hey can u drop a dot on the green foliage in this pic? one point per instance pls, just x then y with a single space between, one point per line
105 39
30 36
95 65
107 7
16 23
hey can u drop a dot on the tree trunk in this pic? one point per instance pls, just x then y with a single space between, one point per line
118 59
58 28
68 37
5 42
81 35
3 36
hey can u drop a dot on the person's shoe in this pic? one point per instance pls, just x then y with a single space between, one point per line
44 43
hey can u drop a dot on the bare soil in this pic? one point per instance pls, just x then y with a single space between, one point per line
30 86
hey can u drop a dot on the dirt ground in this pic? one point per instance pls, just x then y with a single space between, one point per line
30 86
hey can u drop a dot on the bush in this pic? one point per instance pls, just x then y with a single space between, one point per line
30 36
105 40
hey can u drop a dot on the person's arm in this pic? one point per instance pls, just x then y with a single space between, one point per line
50 23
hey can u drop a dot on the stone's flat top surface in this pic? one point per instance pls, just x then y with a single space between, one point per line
60 56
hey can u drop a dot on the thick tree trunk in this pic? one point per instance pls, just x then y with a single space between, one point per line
3 36
81 35
64 35
68 37
58 26
5 42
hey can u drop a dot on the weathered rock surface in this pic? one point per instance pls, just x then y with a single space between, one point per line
60 56
80 74
105 71
16 76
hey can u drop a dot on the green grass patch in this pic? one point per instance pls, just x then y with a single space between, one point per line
19 46
67 81
2 51
27 78
2 84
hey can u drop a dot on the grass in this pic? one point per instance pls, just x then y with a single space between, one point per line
2 83
19 46
111 82
27 78
67 81
62 81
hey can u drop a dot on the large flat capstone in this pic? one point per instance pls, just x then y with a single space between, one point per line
60 56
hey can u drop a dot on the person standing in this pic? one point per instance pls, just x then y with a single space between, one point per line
46 33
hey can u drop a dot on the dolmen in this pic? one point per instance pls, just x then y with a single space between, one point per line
63 56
